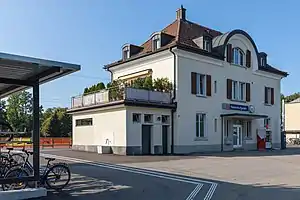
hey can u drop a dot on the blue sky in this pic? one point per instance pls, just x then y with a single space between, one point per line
91 33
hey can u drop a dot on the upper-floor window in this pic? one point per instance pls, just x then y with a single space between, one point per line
269 95
126 53
201 84
238 91
156 42
207 45
238 56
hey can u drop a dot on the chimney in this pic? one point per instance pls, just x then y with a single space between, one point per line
180 13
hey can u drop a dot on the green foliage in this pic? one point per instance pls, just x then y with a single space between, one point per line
19 111
162 85
57 123
292 97
3 110
116 90
94 88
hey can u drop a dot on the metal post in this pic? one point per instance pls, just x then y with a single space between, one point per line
36 131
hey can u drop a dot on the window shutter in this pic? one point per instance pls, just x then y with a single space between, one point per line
229 88
266 95
193 82
229 53
248 59
208 85
248 92
272 96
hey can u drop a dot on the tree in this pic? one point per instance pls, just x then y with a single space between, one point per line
56 123
19 111
292 97
162 85
2 110
100 86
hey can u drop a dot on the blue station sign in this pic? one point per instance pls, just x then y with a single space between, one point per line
238 107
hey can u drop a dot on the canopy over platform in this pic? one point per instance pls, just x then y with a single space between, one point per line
20 72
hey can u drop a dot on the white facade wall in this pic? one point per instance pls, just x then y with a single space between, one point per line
292 114
108 129
162 65
188 104
134 130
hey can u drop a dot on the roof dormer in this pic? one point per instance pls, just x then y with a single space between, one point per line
204 42
156 41
129 50
263 59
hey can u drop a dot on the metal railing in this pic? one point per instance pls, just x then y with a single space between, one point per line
116 94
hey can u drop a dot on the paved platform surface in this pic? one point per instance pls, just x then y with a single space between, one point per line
226 176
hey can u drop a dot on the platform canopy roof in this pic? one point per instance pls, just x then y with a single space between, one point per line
19 72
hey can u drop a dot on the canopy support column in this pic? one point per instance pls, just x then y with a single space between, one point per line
36 131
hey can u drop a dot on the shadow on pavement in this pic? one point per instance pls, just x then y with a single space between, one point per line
91 183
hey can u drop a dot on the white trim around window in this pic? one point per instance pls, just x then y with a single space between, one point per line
201 125
238 91
201 84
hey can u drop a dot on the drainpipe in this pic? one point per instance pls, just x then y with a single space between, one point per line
173 101
111 74
222 132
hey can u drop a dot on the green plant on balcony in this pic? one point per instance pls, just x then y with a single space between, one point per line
116 90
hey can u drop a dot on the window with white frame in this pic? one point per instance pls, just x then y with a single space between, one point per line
207 45
148 118
238 56
200 125
165 119
238 91
156 42
136 117
268 96
201 84
248 129
126 53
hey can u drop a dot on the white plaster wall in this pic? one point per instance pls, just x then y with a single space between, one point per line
161 64
188 104
134 130
109 128
292 114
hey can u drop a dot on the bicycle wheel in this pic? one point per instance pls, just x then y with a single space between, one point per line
58 176
15 173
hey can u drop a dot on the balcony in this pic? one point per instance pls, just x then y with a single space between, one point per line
119 94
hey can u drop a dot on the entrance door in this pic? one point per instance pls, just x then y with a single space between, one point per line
237 136
165 139
146 139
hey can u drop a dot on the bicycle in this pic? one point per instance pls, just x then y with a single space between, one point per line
9 160
46 178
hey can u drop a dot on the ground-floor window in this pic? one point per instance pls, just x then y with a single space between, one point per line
200 124
267 123
84 122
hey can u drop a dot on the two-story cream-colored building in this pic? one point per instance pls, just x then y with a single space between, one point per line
291 120
225 93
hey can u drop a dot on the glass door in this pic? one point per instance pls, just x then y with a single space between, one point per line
237 136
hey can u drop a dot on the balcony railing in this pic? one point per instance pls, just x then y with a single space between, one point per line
111 95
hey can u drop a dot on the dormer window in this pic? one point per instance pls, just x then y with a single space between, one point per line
126 53
156 42
238 56
263 61
207 44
